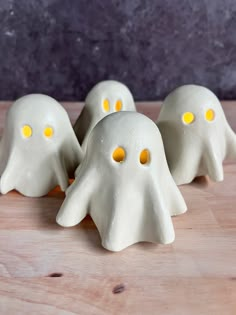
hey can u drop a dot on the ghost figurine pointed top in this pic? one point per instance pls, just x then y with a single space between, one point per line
124 184
38 148
196 135
105 98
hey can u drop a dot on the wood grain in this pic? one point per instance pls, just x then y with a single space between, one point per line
45 269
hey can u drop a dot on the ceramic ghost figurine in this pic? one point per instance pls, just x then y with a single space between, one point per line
38 149
105 98
196 135
124 184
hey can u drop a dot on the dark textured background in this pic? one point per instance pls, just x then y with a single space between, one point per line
63 47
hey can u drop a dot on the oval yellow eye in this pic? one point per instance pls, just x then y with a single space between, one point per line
119 155
48 132
118 106
210 115
144 157
106 105
188 118
27 131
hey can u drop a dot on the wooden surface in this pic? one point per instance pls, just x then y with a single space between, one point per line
45 269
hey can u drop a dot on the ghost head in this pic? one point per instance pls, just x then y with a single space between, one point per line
196 134
38 149
124 184
105 98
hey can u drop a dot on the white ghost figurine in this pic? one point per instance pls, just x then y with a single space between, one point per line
105 98
196 135
38 149
124 184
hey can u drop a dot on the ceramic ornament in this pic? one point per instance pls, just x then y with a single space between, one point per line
105 98
196 135
38 149
124 184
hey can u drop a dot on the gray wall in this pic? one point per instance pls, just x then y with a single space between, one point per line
63 47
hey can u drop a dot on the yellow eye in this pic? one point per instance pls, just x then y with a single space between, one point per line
48 132
188 118
27 131
119 155
118 106
144 157
210 115
106 105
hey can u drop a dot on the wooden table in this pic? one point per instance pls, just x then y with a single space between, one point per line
46 269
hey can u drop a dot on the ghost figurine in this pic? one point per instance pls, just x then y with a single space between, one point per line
105 98
124 184
38 148
196 135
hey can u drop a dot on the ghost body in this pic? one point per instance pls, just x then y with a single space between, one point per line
124 184
105 98
196 135
38 149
